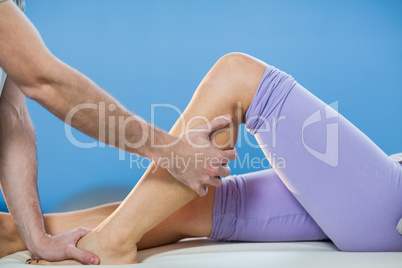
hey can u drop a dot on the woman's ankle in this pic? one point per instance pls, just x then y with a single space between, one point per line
107 239
110 248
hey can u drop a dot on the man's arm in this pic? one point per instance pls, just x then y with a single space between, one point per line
58 87
61 89
18 180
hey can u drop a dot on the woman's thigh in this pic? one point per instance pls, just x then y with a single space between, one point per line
350 187
258 207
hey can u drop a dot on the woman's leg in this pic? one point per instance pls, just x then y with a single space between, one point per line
351 188
252 207
258 207
55 223
157 195
280 98
192 220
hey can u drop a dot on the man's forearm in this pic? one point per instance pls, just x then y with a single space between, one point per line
18 177
78 101
63 90
18 166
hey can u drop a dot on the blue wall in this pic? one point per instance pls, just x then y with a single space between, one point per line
146 52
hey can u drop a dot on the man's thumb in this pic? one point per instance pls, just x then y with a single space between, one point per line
220 122
85 257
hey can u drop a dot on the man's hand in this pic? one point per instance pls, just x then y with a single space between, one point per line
63 247
197 163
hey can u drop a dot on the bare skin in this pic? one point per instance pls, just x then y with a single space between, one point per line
34 72
60 89
235 78
192 220
18 145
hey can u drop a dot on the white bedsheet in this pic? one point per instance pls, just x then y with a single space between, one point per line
208 253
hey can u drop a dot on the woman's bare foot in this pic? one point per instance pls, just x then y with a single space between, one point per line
11 240
109 249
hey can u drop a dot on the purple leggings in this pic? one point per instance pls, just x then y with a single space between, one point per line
329 180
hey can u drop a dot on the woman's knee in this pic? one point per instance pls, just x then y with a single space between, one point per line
239 69
234 77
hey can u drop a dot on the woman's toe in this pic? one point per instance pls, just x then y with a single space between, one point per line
43 262
36 262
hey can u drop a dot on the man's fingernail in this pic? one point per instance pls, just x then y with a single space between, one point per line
94 260
228 117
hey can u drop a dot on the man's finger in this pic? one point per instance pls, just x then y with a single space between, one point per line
220 122
84 257
230 155
81 232
224 170
201 190
215 181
